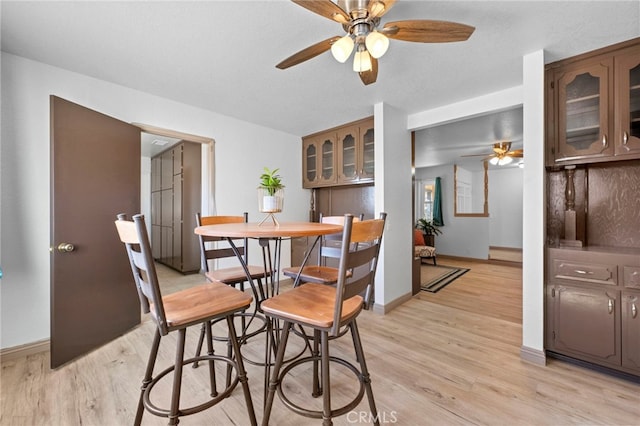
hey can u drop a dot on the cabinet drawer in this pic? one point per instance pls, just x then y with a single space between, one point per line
591 273
631 276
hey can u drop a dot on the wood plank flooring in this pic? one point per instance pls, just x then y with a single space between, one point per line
449 358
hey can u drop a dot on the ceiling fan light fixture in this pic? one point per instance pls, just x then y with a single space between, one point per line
494 160
505 160
377 44
341 49
362 61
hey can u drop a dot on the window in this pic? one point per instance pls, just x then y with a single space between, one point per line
427 208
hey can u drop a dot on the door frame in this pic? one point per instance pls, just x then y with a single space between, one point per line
208 184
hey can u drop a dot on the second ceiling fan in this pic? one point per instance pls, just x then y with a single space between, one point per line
501 155
360 20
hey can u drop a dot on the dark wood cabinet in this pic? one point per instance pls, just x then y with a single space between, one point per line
175 199
593 108
319 160
356 156
627 106
341 156
591 299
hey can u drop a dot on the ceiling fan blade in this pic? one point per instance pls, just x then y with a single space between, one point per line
308 53
518 153
370 76
427 31
325 8
380 7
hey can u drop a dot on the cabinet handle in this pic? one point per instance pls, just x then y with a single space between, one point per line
634 310
605 143
611 304
625 138
580 271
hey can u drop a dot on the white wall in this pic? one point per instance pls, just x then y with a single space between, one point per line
454 240
505 207
24 210
533 206
393 196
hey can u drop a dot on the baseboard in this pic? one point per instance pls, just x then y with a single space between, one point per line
9 354
384 309
443 259
534 356
505 254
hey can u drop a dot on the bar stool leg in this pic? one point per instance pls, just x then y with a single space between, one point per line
357 343
326 385
273 383
212 367
317 390
177 378
242 373
199 345
151 363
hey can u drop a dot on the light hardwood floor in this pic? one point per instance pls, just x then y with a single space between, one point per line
449 358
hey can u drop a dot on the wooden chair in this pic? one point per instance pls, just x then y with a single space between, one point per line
329 248
327 310
174 313
421 249
233 276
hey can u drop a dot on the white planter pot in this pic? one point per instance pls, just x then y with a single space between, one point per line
270 203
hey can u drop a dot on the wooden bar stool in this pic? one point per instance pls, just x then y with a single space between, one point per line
327 310
233 275
174 313
329 248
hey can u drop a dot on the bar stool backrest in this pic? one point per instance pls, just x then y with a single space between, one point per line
209 251
134 236
360 250
330 245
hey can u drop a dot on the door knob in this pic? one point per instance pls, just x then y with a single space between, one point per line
65 247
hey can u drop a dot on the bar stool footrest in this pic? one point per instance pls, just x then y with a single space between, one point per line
162 412
317 414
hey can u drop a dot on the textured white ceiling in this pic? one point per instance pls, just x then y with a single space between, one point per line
221 55
450 143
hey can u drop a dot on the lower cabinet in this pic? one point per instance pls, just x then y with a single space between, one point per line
631 330
586 323
592 306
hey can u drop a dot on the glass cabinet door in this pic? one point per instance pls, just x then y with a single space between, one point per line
310 162
327 160
627 112
583 127
367 168
348 155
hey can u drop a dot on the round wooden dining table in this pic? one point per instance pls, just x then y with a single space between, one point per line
267 232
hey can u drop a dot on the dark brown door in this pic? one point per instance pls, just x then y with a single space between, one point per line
95 174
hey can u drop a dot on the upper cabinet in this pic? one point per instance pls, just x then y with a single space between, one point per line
340 156
594 107
627 92
319 161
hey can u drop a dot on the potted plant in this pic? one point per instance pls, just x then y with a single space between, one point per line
429 230
271 188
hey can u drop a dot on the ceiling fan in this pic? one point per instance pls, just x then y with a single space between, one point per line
501 155
360 19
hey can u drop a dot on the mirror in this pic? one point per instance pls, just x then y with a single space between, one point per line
470 191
